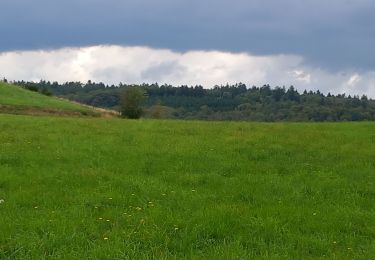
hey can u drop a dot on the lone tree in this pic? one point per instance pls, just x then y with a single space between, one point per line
131 102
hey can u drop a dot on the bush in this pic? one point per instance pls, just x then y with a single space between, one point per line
31 88
131 102
46 92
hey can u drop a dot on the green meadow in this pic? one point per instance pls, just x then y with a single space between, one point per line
94 188
16 100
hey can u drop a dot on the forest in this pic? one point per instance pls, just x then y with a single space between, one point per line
227 102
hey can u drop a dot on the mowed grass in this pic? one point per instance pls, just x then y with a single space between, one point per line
120 189
11 95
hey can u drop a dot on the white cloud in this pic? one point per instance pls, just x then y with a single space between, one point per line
356 78
114 64
302 76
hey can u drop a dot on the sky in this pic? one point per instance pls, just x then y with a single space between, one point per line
311 44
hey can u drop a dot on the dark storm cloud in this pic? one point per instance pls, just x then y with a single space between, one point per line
332 34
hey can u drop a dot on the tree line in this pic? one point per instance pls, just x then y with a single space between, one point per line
227 102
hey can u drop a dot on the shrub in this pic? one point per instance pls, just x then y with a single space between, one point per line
31 88
132 99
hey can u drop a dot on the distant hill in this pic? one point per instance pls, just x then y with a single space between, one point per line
17 100
229 102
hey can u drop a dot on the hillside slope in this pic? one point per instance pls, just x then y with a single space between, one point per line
231 102
16 100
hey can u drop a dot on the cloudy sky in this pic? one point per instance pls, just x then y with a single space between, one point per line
311 44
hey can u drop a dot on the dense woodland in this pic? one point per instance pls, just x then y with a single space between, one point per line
229 102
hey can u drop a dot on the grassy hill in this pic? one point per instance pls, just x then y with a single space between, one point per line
16 100
73 188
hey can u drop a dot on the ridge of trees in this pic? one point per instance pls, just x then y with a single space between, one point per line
226 102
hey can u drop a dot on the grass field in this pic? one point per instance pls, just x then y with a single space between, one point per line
16 100
76 188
